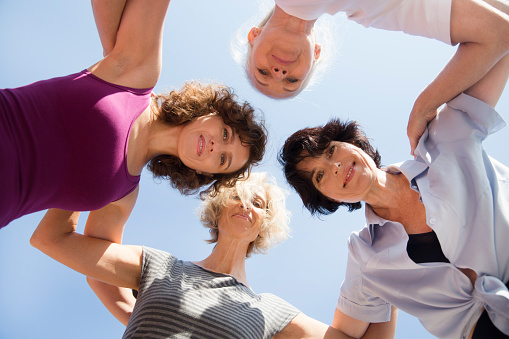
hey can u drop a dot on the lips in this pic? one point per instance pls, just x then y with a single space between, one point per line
200 147
350 171
243 216
282 61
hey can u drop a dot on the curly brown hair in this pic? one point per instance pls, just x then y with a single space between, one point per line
195 100
311 143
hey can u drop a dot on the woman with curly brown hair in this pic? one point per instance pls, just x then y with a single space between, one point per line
80 142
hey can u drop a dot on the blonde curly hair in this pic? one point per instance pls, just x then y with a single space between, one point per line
274 228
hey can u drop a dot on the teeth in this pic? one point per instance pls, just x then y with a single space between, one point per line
349 172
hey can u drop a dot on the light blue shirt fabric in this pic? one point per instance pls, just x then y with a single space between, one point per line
466 196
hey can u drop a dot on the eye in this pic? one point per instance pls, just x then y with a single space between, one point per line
262 72
225 134
330 152
292 80
222 160
236 197
319 177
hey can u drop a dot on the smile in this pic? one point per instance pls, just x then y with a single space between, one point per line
200 148
283 62
243 216
349 174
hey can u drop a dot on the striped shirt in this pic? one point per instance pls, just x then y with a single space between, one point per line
178 299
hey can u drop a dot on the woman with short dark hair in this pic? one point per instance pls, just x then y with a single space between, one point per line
435 244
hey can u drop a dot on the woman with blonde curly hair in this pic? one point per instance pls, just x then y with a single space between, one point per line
210 298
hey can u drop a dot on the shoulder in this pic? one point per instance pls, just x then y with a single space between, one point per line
156 258
463 116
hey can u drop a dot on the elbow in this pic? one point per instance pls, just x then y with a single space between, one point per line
35 240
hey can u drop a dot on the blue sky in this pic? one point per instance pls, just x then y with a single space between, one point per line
374 79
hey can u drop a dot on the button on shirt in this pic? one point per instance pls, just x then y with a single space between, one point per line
466 196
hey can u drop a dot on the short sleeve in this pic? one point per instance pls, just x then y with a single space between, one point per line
355 301
154 263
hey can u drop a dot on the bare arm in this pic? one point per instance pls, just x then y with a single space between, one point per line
136 58
117 264
361 329
483 33
490 87
119 301
304 327
108 223
107 15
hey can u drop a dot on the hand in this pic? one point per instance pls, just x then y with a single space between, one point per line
417 124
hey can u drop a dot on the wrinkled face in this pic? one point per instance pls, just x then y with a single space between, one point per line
208 145
242 220
280 61
343 173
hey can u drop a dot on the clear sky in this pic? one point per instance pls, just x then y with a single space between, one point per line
375 80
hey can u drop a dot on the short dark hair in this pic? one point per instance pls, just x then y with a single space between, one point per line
196 100
312 142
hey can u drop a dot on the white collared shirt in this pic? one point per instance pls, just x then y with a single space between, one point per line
427 18
466 196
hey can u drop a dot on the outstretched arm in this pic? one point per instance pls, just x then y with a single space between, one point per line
303 326
117 264
482 30
108 223
107 15
361 329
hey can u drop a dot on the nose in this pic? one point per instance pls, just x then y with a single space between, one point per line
278 72
245 206
336 165
214 147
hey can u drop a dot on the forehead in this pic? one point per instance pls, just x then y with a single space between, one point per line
250 192
308 164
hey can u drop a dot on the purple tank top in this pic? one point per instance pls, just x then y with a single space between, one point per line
63 144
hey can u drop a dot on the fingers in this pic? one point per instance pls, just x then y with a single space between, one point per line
417 124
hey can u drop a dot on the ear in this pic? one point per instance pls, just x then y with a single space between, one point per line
318 50
253 33
210 175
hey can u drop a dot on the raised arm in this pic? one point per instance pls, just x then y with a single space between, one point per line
490 87
107 15
136 58
483 33
117 264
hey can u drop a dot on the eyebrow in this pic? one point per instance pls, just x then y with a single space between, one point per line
229 162
261 83
290 90
232 136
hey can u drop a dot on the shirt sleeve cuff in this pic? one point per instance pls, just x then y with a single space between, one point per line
372 313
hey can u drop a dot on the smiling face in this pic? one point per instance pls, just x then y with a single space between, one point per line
343 173
280 60
242 220
208 145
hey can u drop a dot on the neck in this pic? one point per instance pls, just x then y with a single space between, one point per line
292 23
388 195
228 257
153 137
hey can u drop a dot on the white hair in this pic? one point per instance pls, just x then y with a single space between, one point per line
329 32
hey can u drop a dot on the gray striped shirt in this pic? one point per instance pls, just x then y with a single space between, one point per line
178 299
